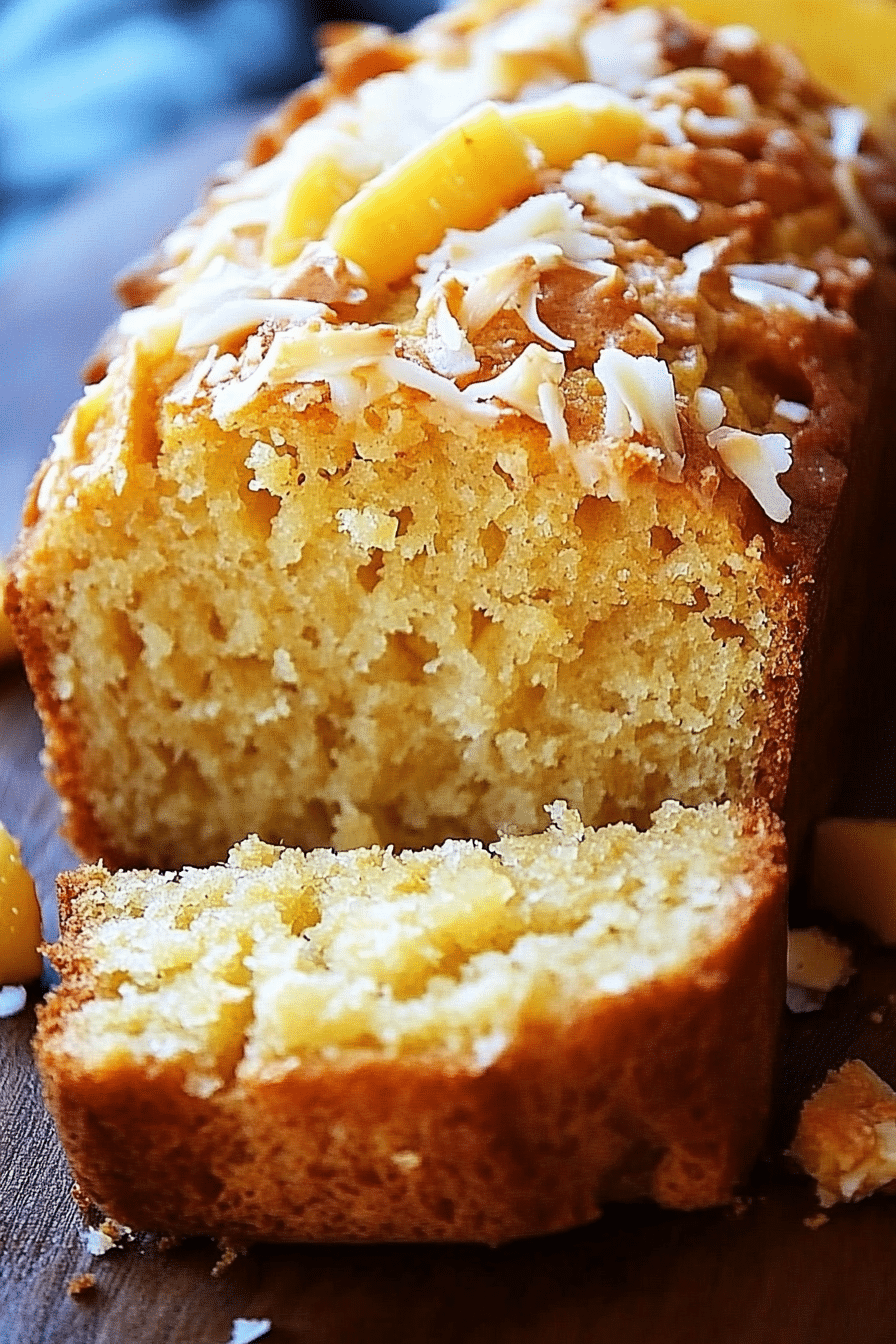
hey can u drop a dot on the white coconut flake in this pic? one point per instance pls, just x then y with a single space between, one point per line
624 51
640 397
186 390
236 315
710 408
703 127
848 125
440 389
341 357
615 191
846 183
757 460
531 385
446 344
538 28
737 38
499 266
12 999
783 274
357 364
777 285
697 260
588 97
198 244
794 411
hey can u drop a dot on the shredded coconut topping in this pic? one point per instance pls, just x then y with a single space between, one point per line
625 51
736 37
698 260
345 358
757 460
710 408
359 365
531 384
615 191
499 266
640 396
844 176
848 125
251 260
780 285
794 411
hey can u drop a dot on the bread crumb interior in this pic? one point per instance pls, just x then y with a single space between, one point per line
278 956
348 643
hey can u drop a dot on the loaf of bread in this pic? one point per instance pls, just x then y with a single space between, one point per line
499 431
452 1044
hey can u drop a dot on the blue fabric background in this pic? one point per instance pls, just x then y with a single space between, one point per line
84 84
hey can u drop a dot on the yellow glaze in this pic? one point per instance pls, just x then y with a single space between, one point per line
565 132
20 930
459 180
849 45
315 197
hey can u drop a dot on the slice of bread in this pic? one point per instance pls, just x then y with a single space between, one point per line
455 1044
505 429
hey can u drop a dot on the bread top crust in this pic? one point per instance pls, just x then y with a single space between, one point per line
700 288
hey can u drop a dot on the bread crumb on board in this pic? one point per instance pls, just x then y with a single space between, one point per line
846 1136
229 1252
81 1285
99 1240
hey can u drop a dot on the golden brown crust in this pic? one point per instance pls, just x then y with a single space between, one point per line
660 1093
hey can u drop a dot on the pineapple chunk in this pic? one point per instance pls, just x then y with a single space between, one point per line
20 930
565 132
459 180
315 197
854 873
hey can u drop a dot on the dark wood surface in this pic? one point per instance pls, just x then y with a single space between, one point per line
756 1276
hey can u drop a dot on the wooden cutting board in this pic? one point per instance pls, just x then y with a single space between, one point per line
755 1275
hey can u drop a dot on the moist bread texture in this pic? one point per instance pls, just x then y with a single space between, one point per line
455 1044
393 515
